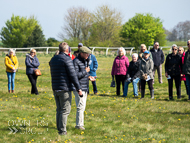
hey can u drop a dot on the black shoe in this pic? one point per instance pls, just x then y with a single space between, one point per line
170 98
63 133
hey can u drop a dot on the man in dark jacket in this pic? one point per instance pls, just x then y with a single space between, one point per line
76 53
82 72
158 59
186 67
63 78
133 75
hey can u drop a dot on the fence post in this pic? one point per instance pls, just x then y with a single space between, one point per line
93 49
47 50
131 50
107 51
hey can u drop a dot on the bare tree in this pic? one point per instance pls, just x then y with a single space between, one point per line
180 32
77 23
106 26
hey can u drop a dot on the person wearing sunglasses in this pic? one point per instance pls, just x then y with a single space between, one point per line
172 71
140 56
158 59
142 50
146 68
181 53
32 63
186 67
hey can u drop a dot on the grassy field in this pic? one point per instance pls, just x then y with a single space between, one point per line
108 118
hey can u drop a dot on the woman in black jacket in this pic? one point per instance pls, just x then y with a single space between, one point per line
133 75
172 71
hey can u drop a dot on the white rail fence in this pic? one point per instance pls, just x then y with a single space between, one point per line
47 49
166 47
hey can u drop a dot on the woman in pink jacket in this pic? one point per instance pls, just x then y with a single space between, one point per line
119 69
181 52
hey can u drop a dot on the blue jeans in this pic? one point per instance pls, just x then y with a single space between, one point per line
187 76
135 87
11 80
94 87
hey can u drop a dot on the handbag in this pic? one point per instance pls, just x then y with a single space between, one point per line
37 72
112 83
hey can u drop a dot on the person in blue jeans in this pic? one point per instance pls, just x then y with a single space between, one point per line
11 63
93 67
133 75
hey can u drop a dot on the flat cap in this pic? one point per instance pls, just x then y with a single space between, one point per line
84 49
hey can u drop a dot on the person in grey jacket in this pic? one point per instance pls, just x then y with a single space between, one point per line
146 69
63 79
32 64
82 72
186 67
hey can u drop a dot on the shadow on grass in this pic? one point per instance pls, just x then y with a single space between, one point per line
173 100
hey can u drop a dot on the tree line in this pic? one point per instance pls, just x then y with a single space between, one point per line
102 27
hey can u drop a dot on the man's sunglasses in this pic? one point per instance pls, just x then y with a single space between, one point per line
174 49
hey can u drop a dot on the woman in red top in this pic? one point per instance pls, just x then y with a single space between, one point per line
119 68
181 52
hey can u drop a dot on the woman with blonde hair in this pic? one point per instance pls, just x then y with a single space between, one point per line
11 63
142 50
32 64
119 69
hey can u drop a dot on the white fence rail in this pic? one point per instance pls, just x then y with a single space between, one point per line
167 47
93 48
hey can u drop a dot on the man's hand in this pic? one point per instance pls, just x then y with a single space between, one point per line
166 74
92 78
80 93
87 69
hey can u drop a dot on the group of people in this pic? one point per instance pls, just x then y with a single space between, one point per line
31 62
143 66
73 72
68 73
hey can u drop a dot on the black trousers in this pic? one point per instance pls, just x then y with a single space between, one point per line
119 79
186 87
33 79
177 85
150 84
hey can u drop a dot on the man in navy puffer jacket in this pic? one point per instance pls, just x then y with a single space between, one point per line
63 77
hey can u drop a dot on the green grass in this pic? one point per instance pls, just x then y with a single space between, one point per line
108 118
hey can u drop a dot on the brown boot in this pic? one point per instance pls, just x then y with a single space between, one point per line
9 91
13 91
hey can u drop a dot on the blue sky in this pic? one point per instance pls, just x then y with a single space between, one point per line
50 13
